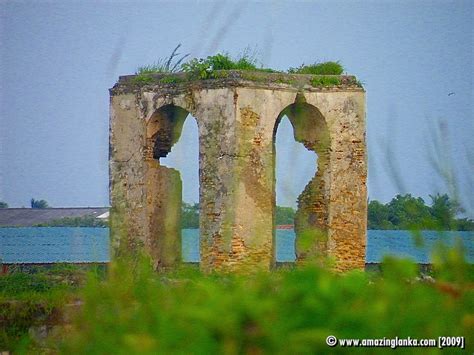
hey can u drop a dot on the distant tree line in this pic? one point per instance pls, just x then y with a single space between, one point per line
84 221
402 212
189 215
408 212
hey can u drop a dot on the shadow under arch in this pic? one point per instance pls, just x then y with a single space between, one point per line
164 186
311 219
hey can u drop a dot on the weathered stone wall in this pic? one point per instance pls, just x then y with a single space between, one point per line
237 120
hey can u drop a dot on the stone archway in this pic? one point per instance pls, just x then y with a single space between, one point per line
312 215
164 186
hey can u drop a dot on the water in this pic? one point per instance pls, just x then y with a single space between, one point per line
379 244
52 245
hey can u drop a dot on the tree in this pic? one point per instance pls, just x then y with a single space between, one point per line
465 224
284 215
39 203
377 216
444 211
408 212
189 215
3 204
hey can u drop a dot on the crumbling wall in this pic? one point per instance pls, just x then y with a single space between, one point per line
164 190
344 113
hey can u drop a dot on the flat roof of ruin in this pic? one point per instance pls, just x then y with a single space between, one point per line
174 83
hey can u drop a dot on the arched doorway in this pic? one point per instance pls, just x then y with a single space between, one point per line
294 167
173 178
311 217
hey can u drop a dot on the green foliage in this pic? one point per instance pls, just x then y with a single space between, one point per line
284 215
210 67
325 68
39 203
3 204
40 281
142 79
408 212
287 311
166 65
198 68
377 216
444 211
320 81
84 221
170 80
29 299
189 215
465 224
206 68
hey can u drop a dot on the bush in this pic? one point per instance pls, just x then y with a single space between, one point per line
30 299
205 68
325 68
287 311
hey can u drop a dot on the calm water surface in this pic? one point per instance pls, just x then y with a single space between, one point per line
42 244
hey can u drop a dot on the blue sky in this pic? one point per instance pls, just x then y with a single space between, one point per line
58 59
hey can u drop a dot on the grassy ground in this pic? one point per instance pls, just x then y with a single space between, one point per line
134 310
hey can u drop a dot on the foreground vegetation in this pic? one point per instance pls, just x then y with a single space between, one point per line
135 310
30 299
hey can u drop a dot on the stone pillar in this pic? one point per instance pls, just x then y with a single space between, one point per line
128 218
164 190
348 190
231 231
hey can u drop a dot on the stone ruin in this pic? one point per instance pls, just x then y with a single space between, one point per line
237 116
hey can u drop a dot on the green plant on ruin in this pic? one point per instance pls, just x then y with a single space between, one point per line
170 64
325 80
200 68
324 68
171 80
166 65
214 67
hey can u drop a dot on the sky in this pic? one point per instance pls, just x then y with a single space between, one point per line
59 58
